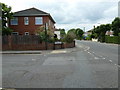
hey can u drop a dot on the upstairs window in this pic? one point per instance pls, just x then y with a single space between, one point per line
14 21
26 20
38 20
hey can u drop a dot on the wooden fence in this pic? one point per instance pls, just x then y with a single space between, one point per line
21 39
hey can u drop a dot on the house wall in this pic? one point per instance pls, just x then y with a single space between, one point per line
58 34
31 27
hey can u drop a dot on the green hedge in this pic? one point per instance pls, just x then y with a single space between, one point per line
112 39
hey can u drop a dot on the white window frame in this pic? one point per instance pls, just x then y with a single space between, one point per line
38 20
15 33
26 20
12 20
26 33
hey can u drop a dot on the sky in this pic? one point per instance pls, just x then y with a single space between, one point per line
70 14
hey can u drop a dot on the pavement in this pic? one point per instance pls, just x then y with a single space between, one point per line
66 50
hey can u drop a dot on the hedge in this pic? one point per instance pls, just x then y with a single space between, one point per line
112 39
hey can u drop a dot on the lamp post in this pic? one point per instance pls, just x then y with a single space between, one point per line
84 29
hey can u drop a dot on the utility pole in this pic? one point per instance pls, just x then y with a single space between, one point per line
46 36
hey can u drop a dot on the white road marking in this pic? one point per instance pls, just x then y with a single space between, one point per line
103 58
33 59
110 60
115 64
96 58
87 49
58 51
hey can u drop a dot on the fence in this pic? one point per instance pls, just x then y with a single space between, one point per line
29 42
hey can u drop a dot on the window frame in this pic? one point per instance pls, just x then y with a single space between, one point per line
12 21
27 34
13 33
26 19
40 22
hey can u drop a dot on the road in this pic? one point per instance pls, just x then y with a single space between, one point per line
89 65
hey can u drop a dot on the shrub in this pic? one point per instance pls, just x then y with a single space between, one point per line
112 39
51 40
69 39
6 31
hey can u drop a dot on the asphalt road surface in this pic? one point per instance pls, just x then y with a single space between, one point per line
90 65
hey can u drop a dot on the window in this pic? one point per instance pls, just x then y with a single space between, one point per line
15 33
26 20
14 21
26 33
38 20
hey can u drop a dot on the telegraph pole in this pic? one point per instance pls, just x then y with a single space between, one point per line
46 36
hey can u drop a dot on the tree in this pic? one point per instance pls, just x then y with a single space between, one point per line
116 26
72 33
79 33
62 33
100 31
6 15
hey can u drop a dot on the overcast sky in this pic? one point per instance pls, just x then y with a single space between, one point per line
72 13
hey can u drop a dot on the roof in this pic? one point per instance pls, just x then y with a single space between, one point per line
32 12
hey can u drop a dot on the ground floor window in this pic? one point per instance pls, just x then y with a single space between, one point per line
26 33
15 33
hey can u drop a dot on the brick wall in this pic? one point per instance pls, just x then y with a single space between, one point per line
30 43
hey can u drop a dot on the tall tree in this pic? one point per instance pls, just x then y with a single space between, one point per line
6 15
116 26
62 33
72 33
79 32
100 31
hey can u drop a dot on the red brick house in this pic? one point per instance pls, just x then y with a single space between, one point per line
26 22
